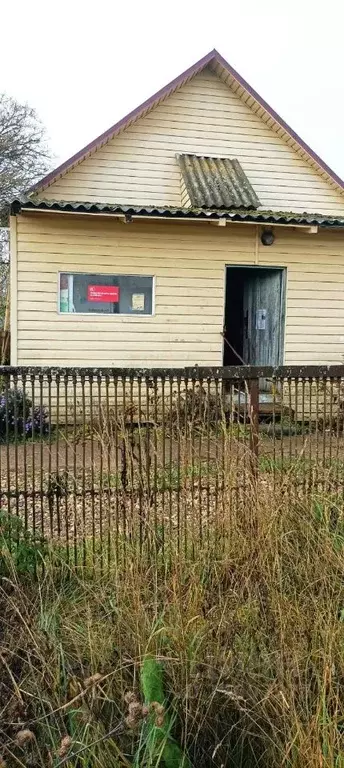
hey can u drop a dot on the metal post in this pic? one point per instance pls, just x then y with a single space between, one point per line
254 411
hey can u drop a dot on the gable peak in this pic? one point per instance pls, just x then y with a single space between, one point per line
231 77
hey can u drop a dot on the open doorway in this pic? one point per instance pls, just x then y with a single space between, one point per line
254 316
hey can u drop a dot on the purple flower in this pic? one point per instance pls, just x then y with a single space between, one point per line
17 414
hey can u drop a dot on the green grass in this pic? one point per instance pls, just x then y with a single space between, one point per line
171 477
175 476
303 466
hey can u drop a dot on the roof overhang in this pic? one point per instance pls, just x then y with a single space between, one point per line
221 216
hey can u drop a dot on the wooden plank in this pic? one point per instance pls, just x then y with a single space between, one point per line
59 324
98 358
130 335
13 289
126 348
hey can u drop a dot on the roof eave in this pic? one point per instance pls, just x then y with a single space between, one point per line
272 218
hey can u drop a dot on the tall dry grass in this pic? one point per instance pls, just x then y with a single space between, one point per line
251 643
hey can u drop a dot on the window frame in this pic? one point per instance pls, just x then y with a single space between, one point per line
112 315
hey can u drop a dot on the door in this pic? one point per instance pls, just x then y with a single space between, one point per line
263 309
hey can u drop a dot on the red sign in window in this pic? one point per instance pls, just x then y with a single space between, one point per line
108 293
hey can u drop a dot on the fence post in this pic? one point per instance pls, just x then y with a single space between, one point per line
254 419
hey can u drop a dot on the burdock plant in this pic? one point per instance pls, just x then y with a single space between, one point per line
157 746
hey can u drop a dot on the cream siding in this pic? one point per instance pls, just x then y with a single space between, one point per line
204 117
188 261
185 200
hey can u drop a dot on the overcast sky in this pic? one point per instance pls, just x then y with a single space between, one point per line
83 65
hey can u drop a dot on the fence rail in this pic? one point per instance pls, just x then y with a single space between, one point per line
104 460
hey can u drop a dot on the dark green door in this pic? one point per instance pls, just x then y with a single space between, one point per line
263 308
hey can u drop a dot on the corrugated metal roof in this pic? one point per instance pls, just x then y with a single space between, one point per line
258 217
216 182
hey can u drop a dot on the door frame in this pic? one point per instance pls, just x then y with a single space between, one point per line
283 312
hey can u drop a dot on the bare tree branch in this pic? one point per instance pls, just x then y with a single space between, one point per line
24 153
24 157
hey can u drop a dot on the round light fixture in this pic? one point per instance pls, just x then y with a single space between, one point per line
267 237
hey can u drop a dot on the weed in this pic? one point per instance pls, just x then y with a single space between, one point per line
157 745
20 549
240 650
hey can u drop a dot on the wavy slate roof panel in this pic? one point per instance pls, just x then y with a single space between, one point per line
216 182
168 212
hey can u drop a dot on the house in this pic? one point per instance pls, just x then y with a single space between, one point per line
200 229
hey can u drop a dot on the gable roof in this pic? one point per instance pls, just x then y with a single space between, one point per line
224 70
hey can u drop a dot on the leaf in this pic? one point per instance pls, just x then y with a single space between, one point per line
152 681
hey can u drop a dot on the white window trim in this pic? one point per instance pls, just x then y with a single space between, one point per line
109 315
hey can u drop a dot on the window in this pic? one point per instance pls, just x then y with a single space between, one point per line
106 294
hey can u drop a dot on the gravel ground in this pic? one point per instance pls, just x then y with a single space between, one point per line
72 491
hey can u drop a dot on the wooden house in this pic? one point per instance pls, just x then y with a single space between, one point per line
200 229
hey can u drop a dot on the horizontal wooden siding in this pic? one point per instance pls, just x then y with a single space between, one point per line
188 262
204 117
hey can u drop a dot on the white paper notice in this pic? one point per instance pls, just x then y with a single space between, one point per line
138 302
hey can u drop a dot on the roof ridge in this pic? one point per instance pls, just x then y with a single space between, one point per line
166 91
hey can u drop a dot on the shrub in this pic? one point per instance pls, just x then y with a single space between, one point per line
18 416
195 406
37 422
